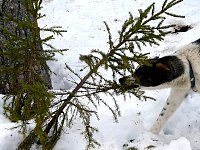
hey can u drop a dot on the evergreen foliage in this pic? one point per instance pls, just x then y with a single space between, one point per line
83 100
28 96
23 65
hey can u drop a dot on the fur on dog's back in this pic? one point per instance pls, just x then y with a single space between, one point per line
190 54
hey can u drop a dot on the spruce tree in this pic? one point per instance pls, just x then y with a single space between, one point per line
15 27
24 74
135 33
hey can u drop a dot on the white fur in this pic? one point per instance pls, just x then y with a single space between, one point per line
180 86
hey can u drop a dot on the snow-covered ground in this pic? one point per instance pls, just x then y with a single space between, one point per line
84 22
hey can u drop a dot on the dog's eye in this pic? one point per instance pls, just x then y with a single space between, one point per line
149 79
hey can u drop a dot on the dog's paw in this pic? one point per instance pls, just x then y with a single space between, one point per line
155 130
195 89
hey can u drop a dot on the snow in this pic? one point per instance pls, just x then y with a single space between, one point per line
84 22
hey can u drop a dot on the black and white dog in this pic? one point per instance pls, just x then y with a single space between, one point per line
180 72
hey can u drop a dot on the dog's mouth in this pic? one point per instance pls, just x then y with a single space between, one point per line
128 82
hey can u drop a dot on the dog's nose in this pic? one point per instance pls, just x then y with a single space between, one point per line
128 82
122 80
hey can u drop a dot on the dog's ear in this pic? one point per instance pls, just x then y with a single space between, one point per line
161 66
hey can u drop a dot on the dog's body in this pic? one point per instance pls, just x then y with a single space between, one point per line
180 72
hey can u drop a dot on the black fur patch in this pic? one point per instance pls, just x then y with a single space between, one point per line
197 42
154 76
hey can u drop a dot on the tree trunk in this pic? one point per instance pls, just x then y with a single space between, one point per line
10 81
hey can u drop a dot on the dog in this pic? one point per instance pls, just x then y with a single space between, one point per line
180 72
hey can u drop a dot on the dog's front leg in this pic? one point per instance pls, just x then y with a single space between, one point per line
173 102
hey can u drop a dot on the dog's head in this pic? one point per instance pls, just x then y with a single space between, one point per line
159 71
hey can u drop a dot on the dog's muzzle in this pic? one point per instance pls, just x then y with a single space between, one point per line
128 82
